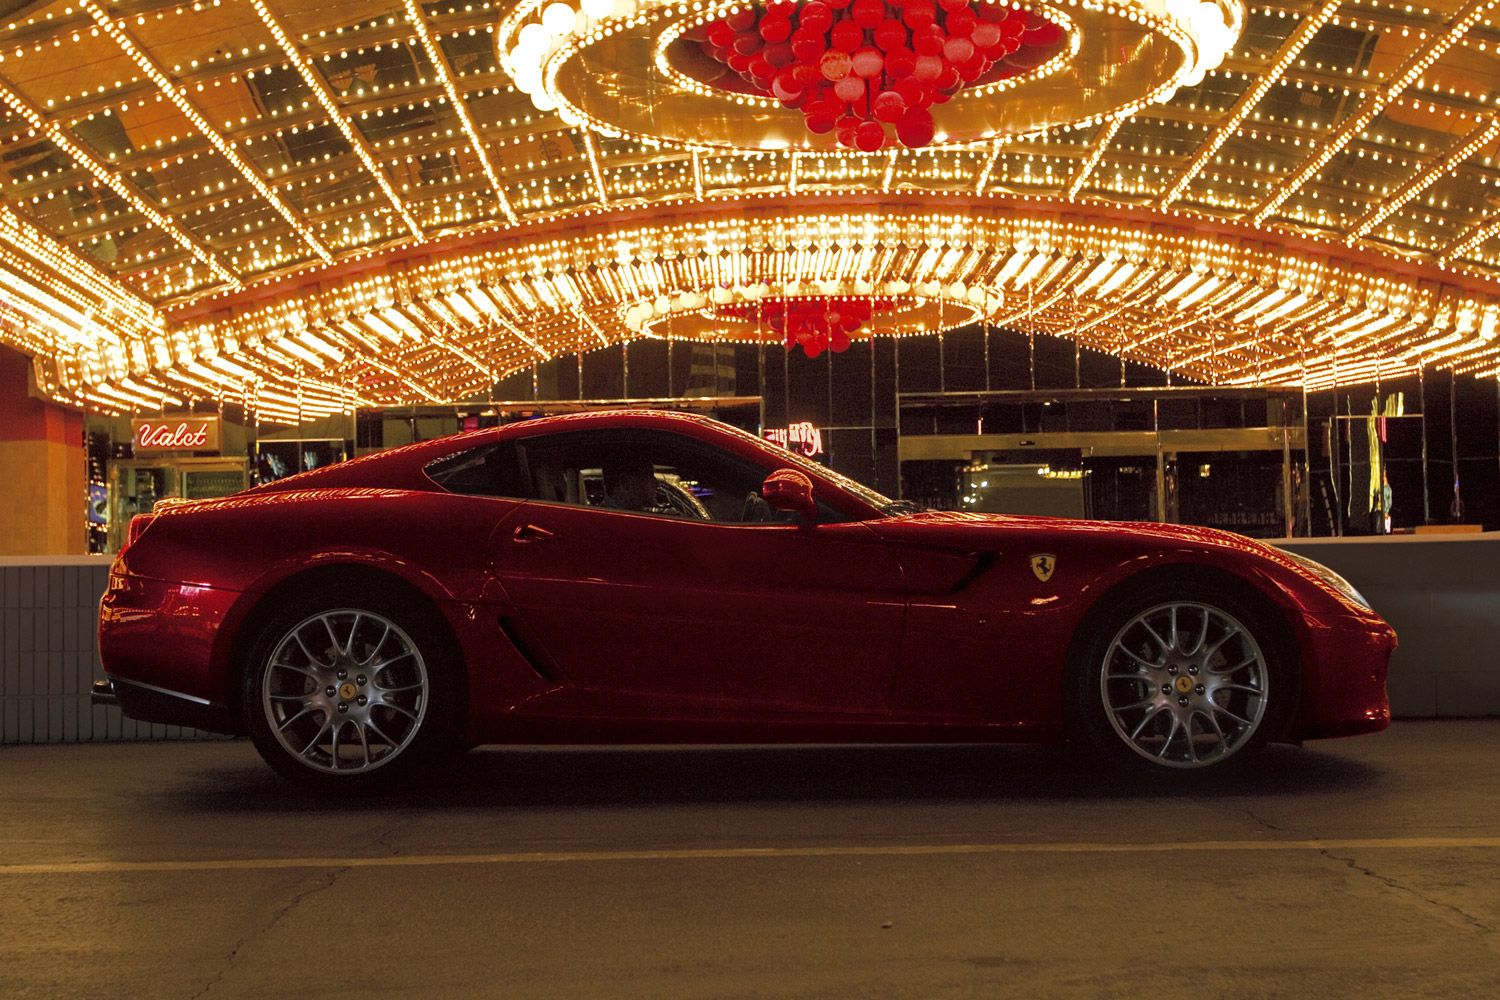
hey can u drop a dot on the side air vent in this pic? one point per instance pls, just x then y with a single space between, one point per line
528 646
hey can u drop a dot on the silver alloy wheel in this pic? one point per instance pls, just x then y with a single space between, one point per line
1184 684
345 691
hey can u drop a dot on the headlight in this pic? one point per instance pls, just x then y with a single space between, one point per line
1331 578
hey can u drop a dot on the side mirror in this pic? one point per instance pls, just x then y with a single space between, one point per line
788 489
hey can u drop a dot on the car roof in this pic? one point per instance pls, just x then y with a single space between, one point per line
402 467
637 417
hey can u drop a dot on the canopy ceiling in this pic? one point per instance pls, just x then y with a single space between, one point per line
314 206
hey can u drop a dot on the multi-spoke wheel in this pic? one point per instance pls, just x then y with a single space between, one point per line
337 693
1181 679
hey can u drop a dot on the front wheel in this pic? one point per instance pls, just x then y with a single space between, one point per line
1180 679
349 692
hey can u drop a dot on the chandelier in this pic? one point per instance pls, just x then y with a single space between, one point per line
859 75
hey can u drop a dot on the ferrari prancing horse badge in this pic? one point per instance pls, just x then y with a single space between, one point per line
1042 564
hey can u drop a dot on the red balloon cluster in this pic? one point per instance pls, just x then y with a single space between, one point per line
859 67
815 324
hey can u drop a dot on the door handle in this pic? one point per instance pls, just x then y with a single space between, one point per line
530 533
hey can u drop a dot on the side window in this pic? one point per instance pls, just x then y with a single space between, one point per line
646 472
488 471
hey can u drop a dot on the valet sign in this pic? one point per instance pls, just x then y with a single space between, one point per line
179 433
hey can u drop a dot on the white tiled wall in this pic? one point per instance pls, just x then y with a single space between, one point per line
49 658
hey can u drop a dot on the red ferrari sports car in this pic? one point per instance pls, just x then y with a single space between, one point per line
626 576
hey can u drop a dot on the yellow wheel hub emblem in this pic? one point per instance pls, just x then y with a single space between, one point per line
347 690
1184 684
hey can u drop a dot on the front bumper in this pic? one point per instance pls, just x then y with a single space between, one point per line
146 703
1344 678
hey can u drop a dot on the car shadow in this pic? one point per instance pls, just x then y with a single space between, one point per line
644 776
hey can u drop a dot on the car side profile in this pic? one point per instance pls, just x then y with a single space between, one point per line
645 576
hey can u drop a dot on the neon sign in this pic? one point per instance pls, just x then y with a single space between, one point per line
186 433
803 438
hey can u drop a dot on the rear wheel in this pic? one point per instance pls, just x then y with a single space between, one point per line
1182 679
348 691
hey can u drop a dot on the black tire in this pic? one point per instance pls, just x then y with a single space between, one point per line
419 726
1140 729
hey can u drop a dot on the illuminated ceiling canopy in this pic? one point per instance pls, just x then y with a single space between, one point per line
351 203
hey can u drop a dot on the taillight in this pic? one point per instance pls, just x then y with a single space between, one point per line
138 526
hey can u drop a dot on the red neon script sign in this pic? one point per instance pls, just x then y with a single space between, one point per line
176 434
802 437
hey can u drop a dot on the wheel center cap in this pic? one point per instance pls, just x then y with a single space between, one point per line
347 690
1183 684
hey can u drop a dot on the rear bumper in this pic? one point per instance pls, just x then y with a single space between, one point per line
146 703
163 636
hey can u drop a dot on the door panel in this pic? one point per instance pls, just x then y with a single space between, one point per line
661 615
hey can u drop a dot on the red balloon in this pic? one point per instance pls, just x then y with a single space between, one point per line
960 23
918 13
741 20
815 16
958 50
834 65
912 92
868 62
870 136
738 62
928 42
818 122
973 67
889 106
953 6
867 13
747 44
721 34
915 129
846 36
850 89
890 35
839 342
778 55
927 69
986 35
807 47
775 29
900 63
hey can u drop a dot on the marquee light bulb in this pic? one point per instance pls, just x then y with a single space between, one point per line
558 18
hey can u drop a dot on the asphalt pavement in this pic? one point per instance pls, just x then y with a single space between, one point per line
1355 868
